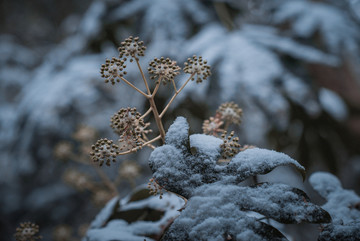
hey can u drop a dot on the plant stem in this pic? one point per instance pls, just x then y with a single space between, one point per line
157 118
145 144
156 88
174 96
146 113
143 76
133 86
173 82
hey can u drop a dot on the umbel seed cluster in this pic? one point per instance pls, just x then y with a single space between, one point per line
128 123
27 231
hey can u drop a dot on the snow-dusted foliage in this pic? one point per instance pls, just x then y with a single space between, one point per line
162 19
343 206
338 31
264 94
137 217
218 204
333 104
264 63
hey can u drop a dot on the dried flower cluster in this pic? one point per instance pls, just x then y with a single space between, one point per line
227 113
104 150
101 196
63 233
132 47
163 69
213 125
127 122
63 150
230 112
155 188
197 66
76 179
129 170
27 231
231 145
85 134
131 128
113 70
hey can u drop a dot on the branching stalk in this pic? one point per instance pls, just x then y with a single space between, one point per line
133 86
145 144
146 113
174 96
156 88
143 76
173 82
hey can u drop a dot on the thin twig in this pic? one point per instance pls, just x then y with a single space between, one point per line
157 118
173 82
133 86
146 113
156 88
143 76
174 96
135 149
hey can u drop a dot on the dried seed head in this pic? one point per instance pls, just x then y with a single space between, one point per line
104 150
230 112
129 170
27 232
85 134
76 179
198 67
230 146
163 69
112 70
62 233
125 119
101 197
154 188
63 150
131 47
213 126
131 128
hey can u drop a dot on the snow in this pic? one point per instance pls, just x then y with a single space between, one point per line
217 204
341 204
333 104
206 145
217 209
103 228
104 214
171 18
260 161
338 31
198 166
264 94
178 133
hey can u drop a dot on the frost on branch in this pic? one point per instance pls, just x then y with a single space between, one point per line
343 206
218 207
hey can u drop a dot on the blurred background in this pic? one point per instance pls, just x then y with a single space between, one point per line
291 65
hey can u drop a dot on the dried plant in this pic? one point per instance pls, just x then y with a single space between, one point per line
127 122
230 146
230 113
101 188
213 125
27 231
